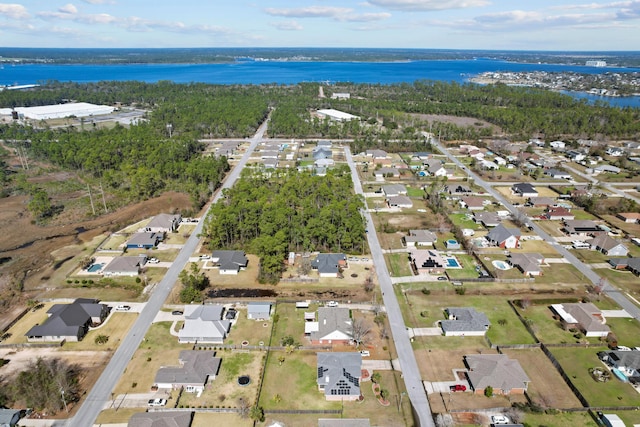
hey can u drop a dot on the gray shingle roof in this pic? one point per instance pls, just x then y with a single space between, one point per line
68 319
328 263
124 264
196 367
166 221
339 373
495 370
501 233
161 419
144 239
229 260
465 319
332 319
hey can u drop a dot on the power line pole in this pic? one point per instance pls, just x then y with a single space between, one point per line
104 203
93 208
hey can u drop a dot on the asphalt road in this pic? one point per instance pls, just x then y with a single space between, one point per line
605 185
100 394
611 291
410 371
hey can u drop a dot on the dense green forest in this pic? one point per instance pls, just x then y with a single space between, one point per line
287 211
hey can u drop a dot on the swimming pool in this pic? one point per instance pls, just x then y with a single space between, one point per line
452 263
622 377
501 265
95 267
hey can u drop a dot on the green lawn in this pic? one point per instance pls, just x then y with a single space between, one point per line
468 270
561 419
398 264
626 280
290 322
249 330
590 257
547 329
462 221
626 329
415 192
577 361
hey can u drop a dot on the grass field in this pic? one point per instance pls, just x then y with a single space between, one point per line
625 280
468 270
588 256
562 419
29 320
626 329
116 328
290 322
398 264
577 361
120 416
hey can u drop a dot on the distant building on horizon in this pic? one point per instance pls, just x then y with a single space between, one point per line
596 63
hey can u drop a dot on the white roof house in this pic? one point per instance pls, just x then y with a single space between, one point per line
204 324
335 115
77 109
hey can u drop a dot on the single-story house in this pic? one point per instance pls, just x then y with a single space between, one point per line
558 213
339 375
164 223
581 227
9 417
420 238
435 167
376 154
323 163
583 316
392 190
503 374
488 165
144 240
544 202
524 189
606 168
322 153
608 246
457 189
333 327
630 264
197 368
500 161
472 203
270 163
575 155
204 324
626 361
161 419
503 237
421 155
629 217
464 321
269 154
557 144
229 262
528 263
384 172
259 310
427 261
557 174
399 202
614 151
69 322
125 266
487 219
329 265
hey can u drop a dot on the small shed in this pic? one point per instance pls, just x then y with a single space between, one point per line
259 310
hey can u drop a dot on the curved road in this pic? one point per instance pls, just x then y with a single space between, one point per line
410 371
100 394
611 291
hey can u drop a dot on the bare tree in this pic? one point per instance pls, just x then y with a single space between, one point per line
444 420
360 328
243 407
304 267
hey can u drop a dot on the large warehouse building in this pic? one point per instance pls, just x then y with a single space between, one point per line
77 109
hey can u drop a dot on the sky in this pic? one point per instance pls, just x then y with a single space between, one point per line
553 25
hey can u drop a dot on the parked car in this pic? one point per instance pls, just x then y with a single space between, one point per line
365 353
442 278
205 256
123 307
458 387
157 402
177 313
500 419
332 304
153 260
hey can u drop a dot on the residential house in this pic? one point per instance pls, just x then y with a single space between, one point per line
559 213
164 223
472 203
323 163
203 323
161 419
125 266
269 154
259 310
497 371
583 316
488 165
528 263
336 115
384 172
229 262
629 217
324 143
581 227
9 417
197 368
500 161
626 361
333 327
606 168
329 265
557 174
270 163
144 240
503 237
557 145
538 202
422 155
575 155
322 152
464 321
457 189
392 190
339 375
608 246
435 168
487 219
377 154
630 264
399 202
340 95
427 261
614 151
420 238
69 322
344 422
524 189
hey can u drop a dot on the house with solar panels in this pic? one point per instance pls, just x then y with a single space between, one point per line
339 375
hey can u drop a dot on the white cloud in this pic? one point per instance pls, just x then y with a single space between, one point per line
13 11
68 8
288 26
424 5
368 17
99 1
310 12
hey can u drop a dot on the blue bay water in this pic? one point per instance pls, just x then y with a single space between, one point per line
291 72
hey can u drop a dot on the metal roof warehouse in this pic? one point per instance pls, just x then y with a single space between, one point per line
79 109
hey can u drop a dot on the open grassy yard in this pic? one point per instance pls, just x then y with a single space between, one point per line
551 227
250 330
120 416
629 228
103 293
294 381
360 269
626 329
158 349
630 418
547 388
115 242
227 420
562 275
391 240
547 329
474 344
562 419
398 264
625 280
290 322
537 246
225 390
116 328
437 364
463 220
468 270
577 361
415 192
29 320
590 257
